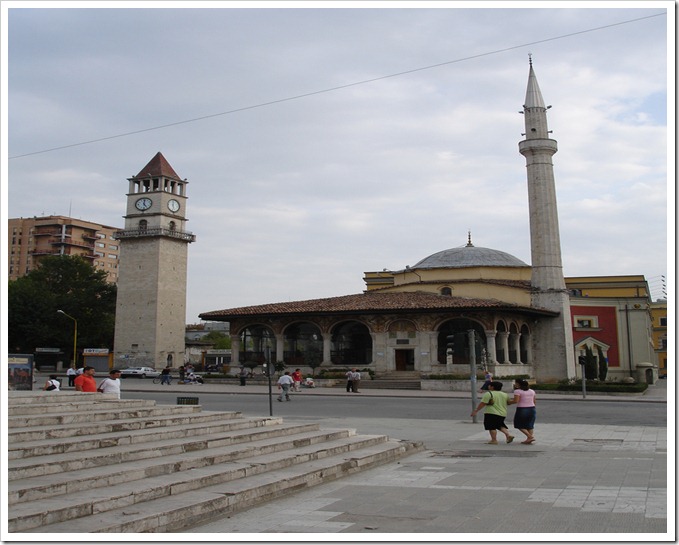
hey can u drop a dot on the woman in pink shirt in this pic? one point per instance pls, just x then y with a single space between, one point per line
524 418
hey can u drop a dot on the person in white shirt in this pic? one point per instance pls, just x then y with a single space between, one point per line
52 385
111 385
70 373
284 384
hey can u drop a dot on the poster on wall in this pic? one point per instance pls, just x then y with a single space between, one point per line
20 371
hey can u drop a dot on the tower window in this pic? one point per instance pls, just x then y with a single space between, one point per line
446 291
143 225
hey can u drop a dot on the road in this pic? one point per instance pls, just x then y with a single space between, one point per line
357 406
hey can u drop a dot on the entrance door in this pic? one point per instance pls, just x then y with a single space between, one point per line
405 359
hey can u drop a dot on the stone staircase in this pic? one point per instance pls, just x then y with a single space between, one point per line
81 463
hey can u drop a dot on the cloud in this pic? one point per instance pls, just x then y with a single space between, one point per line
294 199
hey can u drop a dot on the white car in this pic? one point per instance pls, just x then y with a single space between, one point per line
141 372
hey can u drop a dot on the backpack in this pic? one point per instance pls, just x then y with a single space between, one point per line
51 387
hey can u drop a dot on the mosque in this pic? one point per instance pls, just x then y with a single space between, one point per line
419 319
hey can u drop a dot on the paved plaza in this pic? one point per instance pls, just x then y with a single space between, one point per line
575 480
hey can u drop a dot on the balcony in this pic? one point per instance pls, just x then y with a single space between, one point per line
156 232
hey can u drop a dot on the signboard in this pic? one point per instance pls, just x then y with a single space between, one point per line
20 371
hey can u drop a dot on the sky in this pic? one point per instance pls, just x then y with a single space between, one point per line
324 140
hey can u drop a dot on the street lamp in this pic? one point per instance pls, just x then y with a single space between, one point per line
75 337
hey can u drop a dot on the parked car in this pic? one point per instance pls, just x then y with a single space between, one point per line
139 372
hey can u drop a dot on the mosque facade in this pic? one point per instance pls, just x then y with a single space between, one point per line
420 319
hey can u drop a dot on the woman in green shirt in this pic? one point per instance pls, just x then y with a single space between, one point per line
495 401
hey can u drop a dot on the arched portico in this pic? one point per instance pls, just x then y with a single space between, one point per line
351 344
303 344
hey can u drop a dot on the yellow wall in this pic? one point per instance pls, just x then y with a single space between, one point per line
658 311
609 286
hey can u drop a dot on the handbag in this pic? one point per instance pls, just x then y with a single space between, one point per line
492 399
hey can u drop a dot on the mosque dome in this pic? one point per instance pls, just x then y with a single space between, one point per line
468 256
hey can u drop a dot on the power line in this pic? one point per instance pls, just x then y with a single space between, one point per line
332 89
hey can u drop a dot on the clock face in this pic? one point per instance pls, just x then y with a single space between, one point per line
173 205
143 204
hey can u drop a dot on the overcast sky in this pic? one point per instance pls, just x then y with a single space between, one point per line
294 197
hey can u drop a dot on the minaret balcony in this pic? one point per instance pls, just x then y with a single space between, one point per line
154 232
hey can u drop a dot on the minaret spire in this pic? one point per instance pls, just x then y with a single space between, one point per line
554 338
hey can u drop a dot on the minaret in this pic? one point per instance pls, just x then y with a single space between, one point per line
151 303
553 353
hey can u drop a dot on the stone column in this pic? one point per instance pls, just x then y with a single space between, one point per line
491 349
514 341
504 346
327 343
280 347
235 349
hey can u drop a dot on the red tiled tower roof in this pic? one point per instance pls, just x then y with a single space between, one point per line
158 166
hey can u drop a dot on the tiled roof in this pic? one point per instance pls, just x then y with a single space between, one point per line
368 302
158 166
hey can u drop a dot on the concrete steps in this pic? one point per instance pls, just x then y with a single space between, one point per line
141 467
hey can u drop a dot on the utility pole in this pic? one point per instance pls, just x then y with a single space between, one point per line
472 369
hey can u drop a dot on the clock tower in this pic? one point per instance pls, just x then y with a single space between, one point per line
151 303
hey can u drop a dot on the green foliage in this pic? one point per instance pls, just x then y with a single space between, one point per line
592 386
220 340
68 283
279 367
313 359
591 371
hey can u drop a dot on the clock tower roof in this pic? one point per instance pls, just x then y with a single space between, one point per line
158 166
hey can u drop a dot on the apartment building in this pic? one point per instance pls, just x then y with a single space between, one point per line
31 239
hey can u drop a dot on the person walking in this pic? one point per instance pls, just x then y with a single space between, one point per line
85 381
111 385
166 376
488 378
70 373
284 384
524 418
495 402
243 376
297 380
349 374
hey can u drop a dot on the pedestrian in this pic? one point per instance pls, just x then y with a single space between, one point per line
52 385
166 376
297 379
284 384
111 385
524 418
488 379
70 373
349 374
243 375
182 373
495 402
85 381
355 380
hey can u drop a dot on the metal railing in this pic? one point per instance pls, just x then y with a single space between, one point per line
155 232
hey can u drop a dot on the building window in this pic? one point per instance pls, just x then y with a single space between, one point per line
586 322
663 321
143 224
446 291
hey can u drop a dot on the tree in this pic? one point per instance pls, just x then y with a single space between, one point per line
68 283
220 340
603 364
590 364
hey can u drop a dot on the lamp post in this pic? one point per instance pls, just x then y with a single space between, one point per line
75 337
